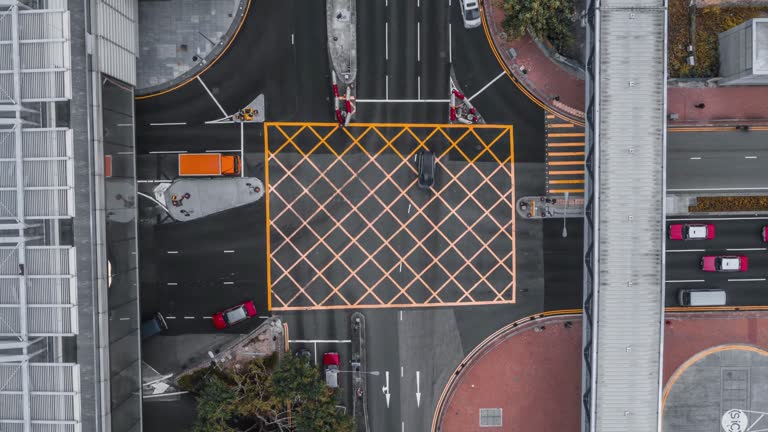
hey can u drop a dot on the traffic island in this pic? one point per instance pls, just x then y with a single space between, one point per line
712 204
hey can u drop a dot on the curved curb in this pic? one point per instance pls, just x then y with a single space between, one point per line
204 64
481 348
522 82
698 357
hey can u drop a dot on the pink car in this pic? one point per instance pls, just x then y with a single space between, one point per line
765 233
234 315
691 232
724 263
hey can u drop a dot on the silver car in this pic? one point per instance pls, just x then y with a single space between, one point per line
470 13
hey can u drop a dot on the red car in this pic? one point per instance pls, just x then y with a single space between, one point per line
234 315
724 263
691 232
331 363
765 233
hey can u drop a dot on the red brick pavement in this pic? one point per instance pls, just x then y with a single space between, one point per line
535 377
546 78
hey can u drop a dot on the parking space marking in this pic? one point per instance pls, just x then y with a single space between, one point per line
291 286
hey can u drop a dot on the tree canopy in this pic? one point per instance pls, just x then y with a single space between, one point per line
257 398
547 19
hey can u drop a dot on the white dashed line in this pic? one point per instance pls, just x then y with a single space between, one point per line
746 280
207 317
170 317
750 157
172 252
685 280
747 249
229 251
685 250
168 124
172 283
189 317
168 152
229 283
124 319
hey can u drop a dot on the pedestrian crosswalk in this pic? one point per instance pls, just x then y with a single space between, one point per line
564 156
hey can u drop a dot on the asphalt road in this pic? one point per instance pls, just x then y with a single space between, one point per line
732 237
716 161
294 77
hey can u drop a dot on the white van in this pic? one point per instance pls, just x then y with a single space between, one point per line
701 297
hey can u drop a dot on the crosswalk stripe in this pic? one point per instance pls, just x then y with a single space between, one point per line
566 153
566 190
566 134
567 144
572 172
561 125
566 181
566 162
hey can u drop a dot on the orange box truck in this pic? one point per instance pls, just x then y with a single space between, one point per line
208 164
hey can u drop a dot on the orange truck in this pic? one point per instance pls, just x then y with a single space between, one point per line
208 165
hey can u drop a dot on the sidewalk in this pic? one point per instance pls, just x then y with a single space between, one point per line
545 78
178 38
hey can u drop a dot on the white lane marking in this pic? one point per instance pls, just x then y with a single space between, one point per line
125 124
402 426
696 158
154 181
207 317
418 87
124 319
169 124
223 151
211 95
168 151
229 283
189 317
229 251
685 280
401 266
242 150
716 218
401 371
450 48
320 341
124 153
172 252
750 157
172 283
736 188
418 390
747 249
401 100
746 280
170 317
409 209
292 40
386 41
386 89
418 3
487 85
686 250
418 41
401 315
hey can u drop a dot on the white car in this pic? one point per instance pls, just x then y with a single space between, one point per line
470 13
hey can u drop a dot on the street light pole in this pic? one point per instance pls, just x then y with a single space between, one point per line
565 212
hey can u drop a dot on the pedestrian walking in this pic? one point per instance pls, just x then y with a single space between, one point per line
699 106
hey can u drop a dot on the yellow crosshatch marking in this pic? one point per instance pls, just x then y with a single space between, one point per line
349 227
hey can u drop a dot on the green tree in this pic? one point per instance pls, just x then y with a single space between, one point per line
256 398
546 19
214 409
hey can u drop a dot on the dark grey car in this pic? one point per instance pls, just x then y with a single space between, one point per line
426 167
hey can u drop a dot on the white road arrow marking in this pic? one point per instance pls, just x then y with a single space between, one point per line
418 390
385 389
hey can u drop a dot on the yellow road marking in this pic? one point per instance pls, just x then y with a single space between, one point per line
566 181
566 134
566 172
577 153
550 116
566 163
566 190
266 200
561 125
568 144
